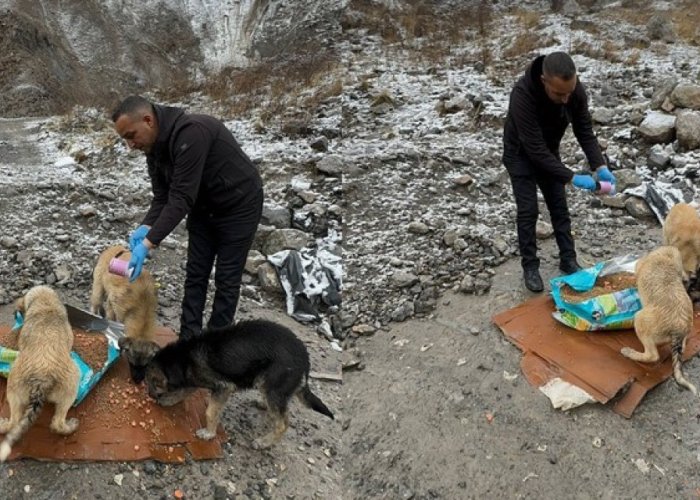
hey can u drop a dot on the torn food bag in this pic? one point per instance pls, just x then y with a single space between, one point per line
311 278
601 297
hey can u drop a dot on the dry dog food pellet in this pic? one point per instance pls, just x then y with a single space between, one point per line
91 347
603 285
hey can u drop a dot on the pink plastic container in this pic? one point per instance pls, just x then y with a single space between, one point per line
606 188
119 267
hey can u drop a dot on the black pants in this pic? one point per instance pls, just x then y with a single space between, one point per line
525 186
226 241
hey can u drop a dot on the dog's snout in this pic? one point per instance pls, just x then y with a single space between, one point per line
138 373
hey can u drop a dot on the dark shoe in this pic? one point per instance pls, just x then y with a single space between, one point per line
569 266
533 280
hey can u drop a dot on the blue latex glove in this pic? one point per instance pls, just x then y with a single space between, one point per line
137 236
605 175
584 182
19 321
138 257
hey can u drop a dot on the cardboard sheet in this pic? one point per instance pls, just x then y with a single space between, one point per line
116 425
589 360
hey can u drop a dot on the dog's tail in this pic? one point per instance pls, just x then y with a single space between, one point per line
36 403
313 401
676 352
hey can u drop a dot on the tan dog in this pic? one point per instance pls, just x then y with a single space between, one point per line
43 370
682 230
133 304
667 311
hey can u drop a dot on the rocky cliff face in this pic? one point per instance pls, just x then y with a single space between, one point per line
54 54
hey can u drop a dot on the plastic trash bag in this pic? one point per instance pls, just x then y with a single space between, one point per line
311 279
661 196
610 311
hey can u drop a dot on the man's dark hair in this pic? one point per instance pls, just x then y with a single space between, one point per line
131 105
560 65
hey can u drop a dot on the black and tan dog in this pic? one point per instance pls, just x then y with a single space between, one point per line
251 354
667 311
43 370
133 304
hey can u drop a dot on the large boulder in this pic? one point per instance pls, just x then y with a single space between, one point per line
658 127
660 27
688 129
662 92
686 95
285 239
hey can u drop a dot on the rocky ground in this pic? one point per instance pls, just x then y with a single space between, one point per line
402 169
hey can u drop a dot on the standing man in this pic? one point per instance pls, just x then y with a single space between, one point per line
543 102
198 170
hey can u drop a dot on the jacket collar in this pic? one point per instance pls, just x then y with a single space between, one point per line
534 73
166 116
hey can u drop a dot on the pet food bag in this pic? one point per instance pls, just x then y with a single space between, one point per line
601 297
89 375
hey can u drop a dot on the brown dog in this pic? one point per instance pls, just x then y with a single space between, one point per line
682 230
667 311
43 370
133 304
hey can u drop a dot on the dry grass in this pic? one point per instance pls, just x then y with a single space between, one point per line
606 50
659 48
421 26
611 51
686 21
418 19
526 19
525 43
633 58
272 86
374 17
633 16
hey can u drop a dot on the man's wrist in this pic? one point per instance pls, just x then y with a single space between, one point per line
148 244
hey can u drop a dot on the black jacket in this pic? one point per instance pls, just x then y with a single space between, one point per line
535 125
195 166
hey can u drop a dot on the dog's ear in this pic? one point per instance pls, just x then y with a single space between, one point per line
20 304
157 379
151 350
124 343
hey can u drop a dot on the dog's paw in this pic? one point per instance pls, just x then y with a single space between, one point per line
72 424
262 443
628 352
5 425
65 428
205 434
260 405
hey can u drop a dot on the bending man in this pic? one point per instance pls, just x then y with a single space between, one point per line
543 102
198 171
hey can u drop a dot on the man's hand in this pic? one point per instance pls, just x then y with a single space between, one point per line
138 257
604 174
584 182
137 236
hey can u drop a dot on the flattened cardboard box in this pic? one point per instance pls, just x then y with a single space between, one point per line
113 426
589 360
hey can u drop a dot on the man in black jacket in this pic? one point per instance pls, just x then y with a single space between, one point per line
198 171
543 102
